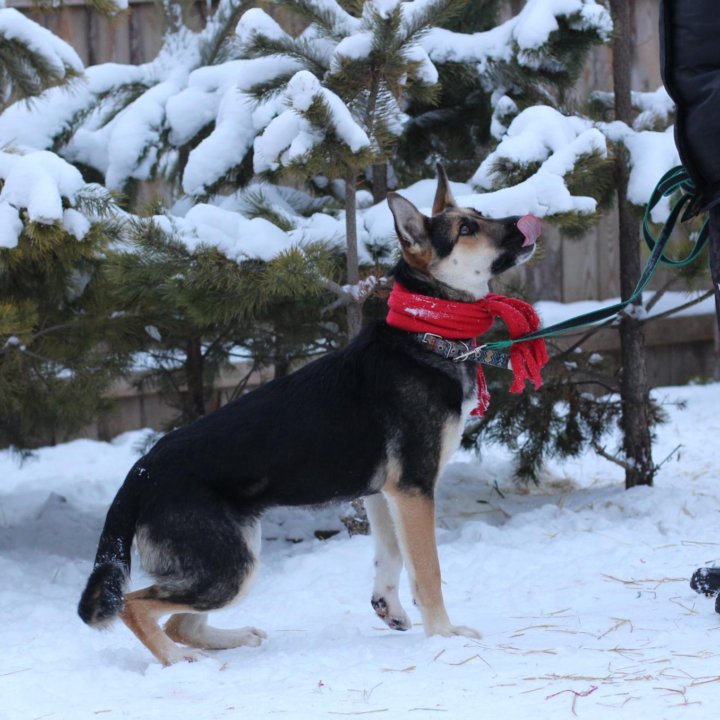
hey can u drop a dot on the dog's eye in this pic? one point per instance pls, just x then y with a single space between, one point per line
465 229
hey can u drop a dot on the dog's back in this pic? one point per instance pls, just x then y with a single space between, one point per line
320 433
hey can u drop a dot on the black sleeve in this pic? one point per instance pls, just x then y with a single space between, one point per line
690 66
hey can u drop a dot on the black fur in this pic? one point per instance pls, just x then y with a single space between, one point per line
320 434
314 436
102 598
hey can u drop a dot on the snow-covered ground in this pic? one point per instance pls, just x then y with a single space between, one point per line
580 589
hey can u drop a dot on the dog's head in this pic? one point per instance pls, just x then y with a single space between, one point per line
459 248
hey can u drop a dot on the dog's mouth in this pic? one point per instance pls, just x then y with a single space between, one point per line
531 228
518 245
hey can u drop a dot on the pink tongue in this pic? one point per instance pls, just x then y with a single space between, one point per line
530 227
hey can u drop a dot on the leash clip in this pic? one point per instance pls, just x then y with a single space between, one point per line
470 353
446 348
482 354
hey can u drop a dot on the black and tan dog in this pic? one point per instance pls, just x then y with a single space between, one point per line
378 420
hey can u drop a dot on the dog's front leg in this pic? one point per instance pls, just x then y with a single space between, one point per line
388 564
414 517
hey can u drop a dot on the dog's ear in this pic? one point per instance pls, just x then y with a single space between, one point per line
443 196
412 229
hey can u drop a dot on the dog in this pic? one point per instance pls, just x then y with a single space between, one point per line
378 420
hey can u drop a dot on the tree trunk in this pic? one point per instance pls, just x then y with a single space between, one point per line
634 393
379 182
354 309
194 374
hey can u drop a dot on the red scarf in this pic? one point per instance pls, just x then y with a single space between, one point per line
459 320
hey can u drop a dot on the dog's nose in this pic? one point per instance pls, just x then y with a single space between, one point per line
530 227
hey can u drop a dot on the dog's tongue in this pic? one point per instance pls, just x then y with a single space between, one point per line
530 227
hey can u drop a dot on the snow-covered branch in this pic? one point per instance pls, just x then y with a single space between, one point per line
33 58
523 37
37 183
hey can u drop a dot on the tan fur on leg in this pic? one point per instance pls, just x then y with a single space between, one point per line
414 516
141 613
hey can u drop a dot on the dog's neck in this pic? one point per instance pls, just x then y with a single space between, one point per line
419 282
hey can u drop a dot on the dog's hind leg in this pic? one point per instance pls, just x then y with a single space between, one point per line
414 517
388 564
141 612
192 629
201 562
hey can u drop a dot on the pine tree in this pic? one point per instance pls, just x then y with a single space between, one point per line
548 160
58 349
193 311
31 57
600 155
361 63
456 127
181 126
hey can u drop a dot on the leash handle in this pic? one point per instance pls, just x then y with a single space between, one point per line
675 179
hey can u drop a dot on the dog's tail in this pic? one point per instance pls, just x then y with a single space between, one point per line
103 597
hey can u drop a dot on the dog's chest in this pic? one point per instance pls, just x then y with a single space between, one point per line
452 431
454 424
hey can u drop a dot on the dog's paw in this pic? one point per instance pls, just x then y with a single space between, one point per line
395 618
182 655
452 630
251 636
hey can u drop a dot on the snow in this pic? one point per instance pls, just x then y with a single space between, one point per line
504 108
257 23
75 223
220 94
277 137
426 73
354 47
134 143
37 124
652 154
528 32
304 88
538 20
535 135
10 225
541 134
290 137
169 96
655 107
343 23
239 238
224 148
36 181
580 588
384 8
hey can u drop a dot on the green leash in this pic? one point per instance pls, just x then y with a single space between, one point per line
674 180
